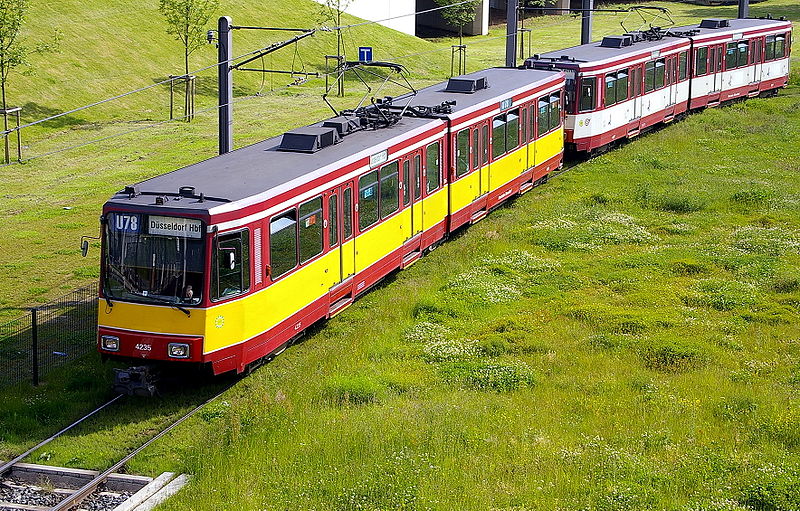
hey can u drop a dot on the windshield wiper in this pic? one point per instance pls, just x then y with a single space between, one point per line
171 304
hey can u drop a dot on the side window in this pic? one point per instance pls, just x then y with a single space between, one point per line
524 124
770 50
610 90
659 72
742 48
462 152
512 129
683 62
406 183
588 94
700 61
333 220
730 56
485 144
780 47
555 110
347 214
310 235
498 136
283 243
622 85
649 76
432 166
231 264
476 156
543 115
368 199
417 184
390 189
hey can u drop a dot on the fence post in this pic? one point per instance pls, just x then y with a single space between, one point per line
35 347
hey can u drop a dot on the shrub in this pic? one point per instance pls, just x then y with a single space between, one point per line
491 376
355 389
751 196
672 355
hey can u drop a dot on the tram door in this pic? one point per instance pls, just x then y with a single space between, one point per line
412 192
482 153
755 58
636 92
342 200
672 78
715 63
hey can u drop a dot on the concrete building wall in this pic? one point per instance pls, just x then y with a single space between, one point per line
374 10
434 19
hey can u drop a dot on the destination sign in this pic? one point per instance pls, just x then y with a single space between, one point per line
172 226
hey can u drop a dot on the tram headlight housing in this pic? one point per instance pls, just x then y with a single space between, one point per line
178 350
109 342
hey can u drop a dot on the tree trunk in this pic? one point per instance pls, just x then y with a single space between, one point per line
5 120
186 102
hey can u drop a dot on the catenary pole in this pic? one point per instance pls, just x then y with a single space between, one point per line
225 50
744 9
511 33
586 22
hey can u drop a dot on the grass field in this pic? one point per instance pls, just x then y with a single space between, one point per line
626 337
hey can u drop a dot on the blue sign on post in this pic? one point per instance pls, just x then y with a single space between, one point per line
365 53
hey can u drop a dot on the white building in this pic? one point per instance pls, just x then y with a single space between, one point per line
403 18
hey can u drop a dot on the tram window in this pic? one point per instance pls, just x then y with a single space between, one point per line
368 200
485 143
476 159
770 48
512 129
659 73
432 168
683 61
555 110
231 265
587 94
610 91
310 229
649 76
390 184
730 56
417 184
544 116
406 182
701 61
742 51
498 136
347 214
780 47
283 243
462 152
333 220
524 125
622 86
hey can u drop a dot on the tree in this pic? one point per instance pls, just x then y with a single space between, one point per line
187 20
13 50
458 14
331 12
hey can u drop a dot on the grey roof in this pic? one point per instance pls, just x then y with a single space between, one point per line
593 52
256 168
502 81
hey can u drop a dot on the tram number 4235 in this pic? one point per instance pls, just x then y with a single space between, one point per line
144 347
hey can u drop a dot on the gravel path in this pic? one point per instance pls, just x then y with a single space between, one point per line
17 492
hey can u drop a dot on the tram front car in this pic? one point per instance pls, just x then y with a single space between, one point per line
154 274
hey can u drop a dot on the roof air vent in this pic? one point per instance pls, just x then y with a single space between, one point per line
186 191
466 85
342 124
714 23
636 37
308 140
616 41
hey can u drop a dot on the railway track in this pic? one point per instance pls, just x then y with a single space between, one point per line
89 493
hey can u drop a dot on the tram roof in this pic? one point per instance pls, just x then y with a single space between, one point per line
502 82
261 167
595 53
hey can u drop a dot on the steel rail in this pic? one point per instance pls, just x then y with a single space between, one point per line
86 490
10 464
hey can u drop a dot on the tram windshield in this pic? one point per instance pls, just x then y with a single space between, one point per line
154 259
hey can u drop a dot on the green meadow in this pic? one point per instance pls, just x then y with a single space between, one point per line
625 337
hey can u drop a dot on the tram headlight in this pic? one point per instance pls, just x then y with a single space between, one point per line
109 342
178 350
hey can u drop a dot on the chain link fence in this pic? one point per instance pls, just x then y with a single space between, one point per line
48 336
